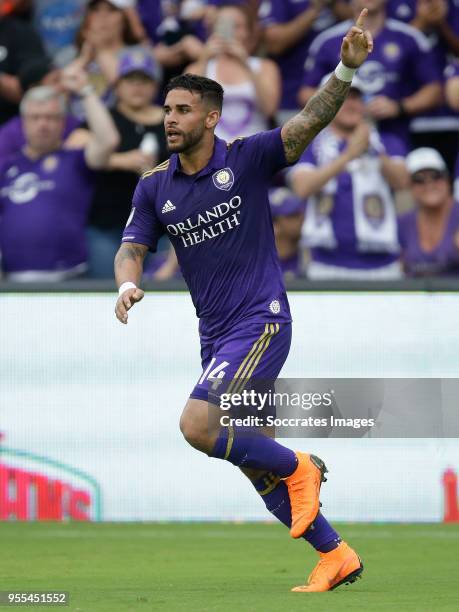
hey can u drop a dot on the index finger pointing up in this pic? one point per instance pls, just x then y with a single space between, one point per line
361 18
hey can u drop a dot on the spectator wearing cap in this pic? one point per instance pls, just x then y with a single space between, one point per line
429 234
35 73
287 211
290 27
252 85
45 190
19 44
142 145
401 76
347 174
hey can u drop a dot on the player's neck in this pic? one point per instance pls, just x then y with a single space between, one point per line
196 159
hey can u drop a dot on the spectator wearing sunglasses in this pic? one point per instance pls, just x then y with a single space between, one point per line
429 234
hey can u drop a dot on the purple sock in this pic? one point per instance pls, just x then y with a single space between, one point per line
274 493
249 448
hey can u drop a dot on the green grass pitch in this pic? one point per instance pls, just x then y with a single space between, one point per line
225 567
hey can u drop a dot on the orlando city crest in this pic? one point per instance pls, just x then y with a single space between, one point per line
223 179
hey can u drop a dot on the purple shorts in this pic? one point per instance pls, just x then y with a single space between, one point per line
254 351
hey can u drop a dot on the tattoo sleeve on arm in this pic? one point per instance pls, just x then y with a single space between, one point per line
298 132
130 251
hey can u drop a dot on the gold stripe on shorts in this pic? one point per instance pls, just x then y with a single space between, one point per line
247 357
229 444
255 359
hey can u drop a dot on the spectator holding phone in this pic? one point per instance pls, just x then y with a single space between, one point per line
252 84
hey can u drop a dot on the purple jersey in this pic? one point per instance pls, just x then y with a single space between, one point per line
443 260
400 64
220 225
12 137
351 222
290 62
43 210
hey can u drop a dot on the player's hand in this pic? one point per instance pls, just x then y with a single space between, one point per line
359 141
357 43
126 301
382 107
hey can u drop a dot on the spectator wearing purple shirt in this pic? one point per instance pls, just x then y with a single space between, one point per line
438 20
347 174
289 28
429 235
45 190
402 78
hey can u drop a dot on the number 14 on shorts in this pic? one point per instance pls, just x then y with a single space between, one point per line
214 375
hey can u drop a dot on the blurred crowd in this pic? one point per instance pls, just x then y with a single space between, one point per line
375 195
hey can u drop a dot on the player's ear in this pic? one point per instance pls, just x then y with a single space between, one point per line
213 117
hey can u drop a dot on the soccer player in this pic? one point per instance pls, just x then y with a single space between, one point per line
211 198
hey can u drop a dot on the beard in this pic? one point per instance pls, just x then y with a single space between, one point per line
187 141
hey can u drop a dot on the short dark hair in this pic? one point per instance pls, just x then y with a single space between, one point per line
211 91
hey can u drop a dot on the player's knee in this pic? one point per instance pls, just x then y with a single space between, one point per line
195 431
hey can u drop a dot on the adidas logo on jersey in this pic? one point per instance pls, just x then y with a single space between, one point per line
168 207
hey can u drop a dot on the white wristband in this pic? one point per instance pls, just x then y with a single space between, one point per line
127 285
344 73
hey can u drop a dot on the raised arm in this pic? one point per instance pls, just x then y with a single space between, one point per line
298 132
103 136
128 272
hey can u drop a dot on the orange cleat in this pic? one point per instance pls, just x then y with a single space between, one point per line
303 490
339 566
